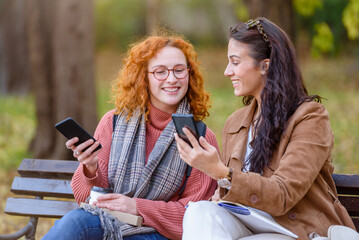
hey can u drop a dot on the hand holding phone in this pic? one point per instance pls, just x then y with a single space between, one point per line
70 129
185 120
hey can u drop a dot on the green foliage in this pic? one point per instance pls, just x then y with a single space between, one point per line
351 19
322 41
118 22
307 7
327 12
241 10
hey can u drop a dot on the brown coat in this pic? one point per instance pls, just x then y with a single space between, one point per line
297 188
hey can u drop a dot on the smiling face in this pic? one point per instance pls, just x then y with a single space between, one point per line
166 95
246 76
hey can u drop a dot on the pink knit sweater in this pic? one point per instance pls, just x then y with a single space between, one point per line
165 217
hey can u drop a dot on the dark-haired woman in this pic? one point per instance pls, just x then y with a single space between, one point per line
276 150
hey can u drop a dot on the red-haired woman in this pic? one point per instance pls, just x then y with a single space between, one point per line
139 159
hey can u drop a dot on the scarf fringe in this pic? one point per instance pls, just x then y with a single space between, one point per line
111 226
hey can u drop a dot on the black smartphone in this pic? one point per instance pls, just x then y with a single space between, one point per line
70 129
185 120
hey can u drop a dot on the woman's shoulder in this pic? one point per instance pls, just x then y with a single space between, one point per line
105 126
310 113
109 115
107 118
310 107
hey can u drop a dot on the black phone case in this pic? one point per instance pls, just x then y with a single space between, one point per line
186 120
70 129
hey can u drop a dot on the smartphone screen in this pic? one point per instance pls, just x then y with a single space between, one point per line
185 120
70 129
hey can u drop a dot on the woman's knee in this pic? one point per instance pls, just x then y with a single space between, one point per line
201 208
213 221
77 216
76 224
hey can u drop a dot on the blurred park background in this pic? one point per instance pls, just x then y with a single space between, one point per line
59 57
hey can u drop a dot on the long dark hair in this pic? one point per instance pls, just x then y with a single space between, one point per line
283 91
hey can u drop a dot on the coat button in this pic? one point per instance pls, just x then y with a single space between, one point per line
292 216
253 198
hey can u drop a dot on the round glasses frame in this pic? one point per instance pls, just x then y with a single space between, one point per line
168 73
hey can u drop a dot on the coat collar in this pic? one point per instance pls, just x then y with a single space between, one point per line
247 112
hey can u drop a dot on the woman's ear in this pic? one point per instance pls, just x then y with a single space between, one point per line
265 66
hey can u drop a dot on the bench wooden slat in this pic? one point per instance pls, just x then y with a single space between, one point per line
38 207
42 187
44 168
346 183
356 223
351 204
347 186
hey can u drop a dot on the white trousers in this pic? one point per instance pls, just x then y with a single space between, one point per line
207 221
337 232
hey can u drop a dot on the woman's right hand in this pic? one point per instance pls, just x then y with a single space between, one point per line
202 155
88 158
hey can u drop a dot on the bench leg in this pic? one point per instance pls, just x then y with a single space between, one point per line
31 234
28 231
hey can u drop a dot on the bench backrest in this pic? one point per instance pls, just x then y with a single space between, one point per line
44 168
45 178
348 191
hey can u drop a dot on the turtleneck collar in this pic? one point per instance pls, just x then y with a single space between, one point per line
158 118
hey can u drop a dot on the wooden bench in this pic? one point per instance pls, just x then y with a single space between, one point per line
348 191
41 179
51 178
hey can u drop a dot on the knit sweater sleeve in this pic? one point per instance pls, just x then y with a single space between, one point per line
166 217
81 184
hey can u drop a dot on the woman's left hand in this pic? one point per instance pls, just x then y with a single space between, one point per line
117 202
202 155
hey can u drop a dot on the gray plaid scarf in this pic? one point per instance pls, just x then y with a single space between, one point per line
129 174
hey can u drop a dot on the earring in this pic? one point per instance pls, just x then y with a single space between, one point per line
264 70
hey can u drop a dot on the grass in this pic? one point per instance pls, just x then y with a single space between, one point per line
17 126
337 81
333 79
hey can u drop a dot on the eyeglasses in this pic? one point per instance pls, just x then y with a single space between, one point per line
162 73
256 23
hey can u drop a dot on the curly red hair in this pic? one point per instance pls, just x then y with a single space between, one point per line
131 88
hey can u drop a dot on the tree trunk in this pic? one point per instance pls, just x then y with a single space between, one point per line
152 15
278 11
14 77
61 49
